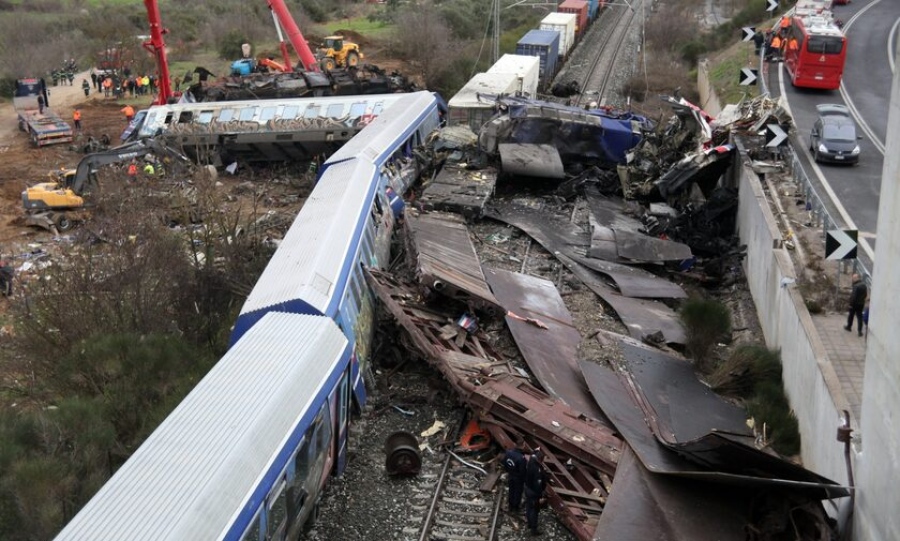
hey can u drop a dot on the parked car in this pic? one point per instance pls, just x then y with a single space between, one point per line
833 137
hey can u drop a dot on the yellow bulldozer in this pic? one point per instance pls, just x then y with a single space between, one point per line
337 53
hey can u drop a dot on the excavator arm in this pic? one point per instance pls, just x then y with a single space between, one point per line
120 154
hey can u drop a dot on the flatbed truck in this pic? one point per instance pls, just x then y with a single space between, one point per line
44 128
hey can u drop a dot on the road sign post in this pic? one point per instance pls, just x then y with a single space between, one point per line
748 76
840 245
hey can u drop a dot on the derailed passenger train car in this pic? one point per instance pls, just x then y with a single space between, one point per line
246 454
346 224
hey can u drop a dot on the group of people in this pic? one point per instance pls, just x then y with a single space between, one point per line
118 85
65 74
526 477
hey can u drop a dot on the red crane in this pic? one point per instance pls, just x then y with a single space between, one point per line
157 48
283 19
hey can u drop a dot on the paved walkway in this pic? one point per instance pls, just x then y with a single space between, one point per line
847 353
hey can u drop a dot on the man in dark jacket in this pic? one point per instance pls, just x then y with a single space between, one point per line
535 481
514 462
857 303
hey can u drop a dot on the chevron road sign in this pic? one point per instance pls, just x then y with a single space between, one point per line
775 136
771 5
748 76
841 244
748 31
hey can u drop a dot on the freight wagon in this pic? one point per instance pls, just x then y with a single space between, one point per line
543 44
474 104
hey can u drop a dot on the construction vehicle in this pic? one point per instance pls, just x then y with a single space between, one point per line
42 125
337 53
157 47
59 204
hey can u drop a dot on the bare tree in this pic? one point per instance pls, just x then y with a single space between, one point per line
424 38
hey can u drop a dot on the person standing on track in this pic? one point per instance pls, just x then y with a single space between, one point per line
514 462
535 481
76 119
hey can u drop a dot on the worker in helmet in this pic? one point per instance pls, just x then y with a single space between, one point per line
149 170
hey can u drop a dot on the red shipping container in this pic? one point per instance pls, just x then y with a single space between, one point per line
580 9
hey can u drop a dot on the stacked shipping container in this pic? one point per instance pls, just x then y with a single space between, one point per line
580 9
564 23
543 44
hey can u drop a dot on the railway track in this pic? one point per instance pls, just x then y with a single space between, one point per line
450 506
616 24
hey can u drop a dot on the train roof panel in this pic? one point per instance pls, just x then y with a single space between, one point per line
309 263
376 140
195 472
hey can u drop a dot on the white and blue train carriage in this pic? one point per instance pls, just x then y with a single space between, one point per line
247 453
389 140
345 224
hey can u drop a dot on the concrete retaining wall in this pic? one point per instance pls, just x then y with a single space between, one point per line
810 381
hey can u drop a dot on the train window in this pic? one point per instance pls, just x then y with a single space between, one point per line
253 532
311 112
335 110
358 109
290 112
355 280
226 115
277 503
378 108
267 113
301 461
247 113
205 117
323 433
185 117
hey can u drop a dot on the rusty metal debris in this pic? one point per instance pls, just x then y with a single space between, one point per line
551 353
445 259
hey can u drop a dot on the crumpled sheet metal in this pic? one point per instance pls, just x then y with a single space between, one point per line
567 239
647 506
551 353
714 456
456 189
644 318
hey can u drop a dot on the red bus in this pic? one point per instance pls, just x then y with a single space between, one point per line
815 50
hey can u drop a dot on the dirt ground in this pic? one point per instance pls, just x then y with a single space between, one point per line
23 164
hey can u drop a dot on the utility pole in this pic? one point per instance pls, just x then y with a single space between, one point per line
495 51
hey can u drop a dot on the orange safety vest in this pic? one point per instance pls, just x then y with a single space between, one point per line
132 170
785 22
76 115
776 42
129 111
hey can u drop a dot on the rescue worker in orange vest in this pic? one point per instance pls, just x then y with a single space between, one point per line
132 169
793 45
76 118
129 113
774 47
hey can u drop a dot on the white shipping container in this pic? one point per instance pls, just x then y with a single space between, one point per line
526 68
564 23
467 108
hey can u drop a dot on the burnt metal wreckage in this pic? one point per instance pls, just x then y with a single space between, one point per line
684 463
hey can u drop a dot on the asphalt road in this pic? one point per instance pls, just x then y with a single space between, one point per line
870 26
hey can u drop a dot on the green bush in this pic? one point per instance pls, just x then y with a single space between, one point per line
691 51
706 321
770 408
228 45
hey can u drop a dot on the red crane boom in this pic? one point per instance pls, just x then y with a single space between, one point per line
157 48
283 19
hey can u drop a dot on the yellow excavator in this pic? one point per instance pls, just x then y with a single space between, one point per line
60 204
337 53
